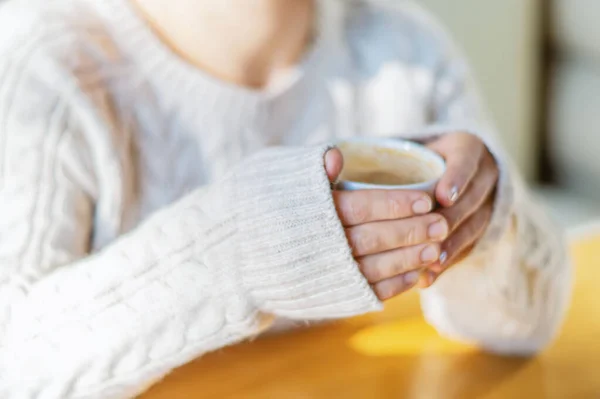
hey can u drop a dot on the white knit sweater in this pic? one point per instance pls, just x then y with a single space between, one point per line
150 213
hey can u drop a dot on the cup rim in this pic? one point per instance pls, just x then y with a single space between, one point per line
402 145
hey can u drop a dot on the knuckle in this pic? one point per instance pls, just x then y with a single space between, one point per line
395 207
412 234
375 274
352 236
356 211
364 242
399 265
370 242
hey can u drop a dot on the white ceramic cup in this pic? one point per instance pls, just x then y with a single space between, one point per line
431 160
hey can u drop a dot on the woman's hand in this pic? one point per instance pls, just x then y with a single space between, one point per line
392 233
466 193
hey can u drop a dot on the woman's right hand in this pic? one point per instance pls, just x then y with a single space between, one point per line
392 233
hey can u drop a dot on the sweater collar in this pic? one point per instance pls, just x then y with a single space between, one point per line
158 61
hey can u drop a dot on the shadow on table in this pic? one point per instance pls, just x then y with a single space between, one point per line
325 362
474 375
438 367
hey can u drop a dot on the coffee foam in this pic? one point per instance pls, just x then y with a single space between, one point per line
367 163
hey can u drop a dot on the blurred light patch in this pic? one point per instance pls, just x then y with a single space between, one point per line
404 337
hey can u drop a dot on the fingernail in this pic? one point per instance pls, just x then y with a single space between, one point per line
453 194
421 206
429 254
411 278
438 229
443 257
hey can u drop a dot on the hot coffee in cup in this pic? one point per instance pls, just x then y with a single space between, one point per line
374 163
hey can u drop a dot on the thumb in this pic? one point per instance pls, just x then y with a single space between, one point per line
334 161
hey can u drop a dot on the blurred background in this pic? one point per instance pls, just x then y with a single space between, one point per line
538 65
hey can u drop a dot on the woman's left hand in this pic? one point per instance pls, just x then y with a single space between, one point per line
466 195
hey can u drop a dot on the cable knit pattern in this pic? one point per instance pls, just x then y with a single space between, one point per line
151 213
186 281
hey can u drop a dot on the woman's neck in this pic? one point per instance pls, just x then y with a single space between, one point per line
244 42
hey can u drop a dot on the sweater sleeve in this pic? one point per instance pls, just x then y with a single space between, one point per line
511 294
205 272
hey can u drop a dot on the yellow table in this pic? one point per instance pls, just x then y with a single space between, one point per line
336 361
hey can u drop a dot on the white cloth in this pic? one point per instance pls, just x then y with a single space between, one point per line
151 213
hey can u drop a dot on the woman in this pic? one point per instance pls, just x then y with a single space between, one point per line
164 192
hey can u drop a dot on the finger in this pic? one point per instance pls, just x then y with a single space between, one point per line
462 255
364 206
476 194
427 278
372 238
459 244
388 264
396 285
462 152
467 234
438 267
334 162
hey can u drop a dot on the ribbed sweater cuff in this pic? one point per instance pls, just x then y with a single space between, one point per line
297 261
